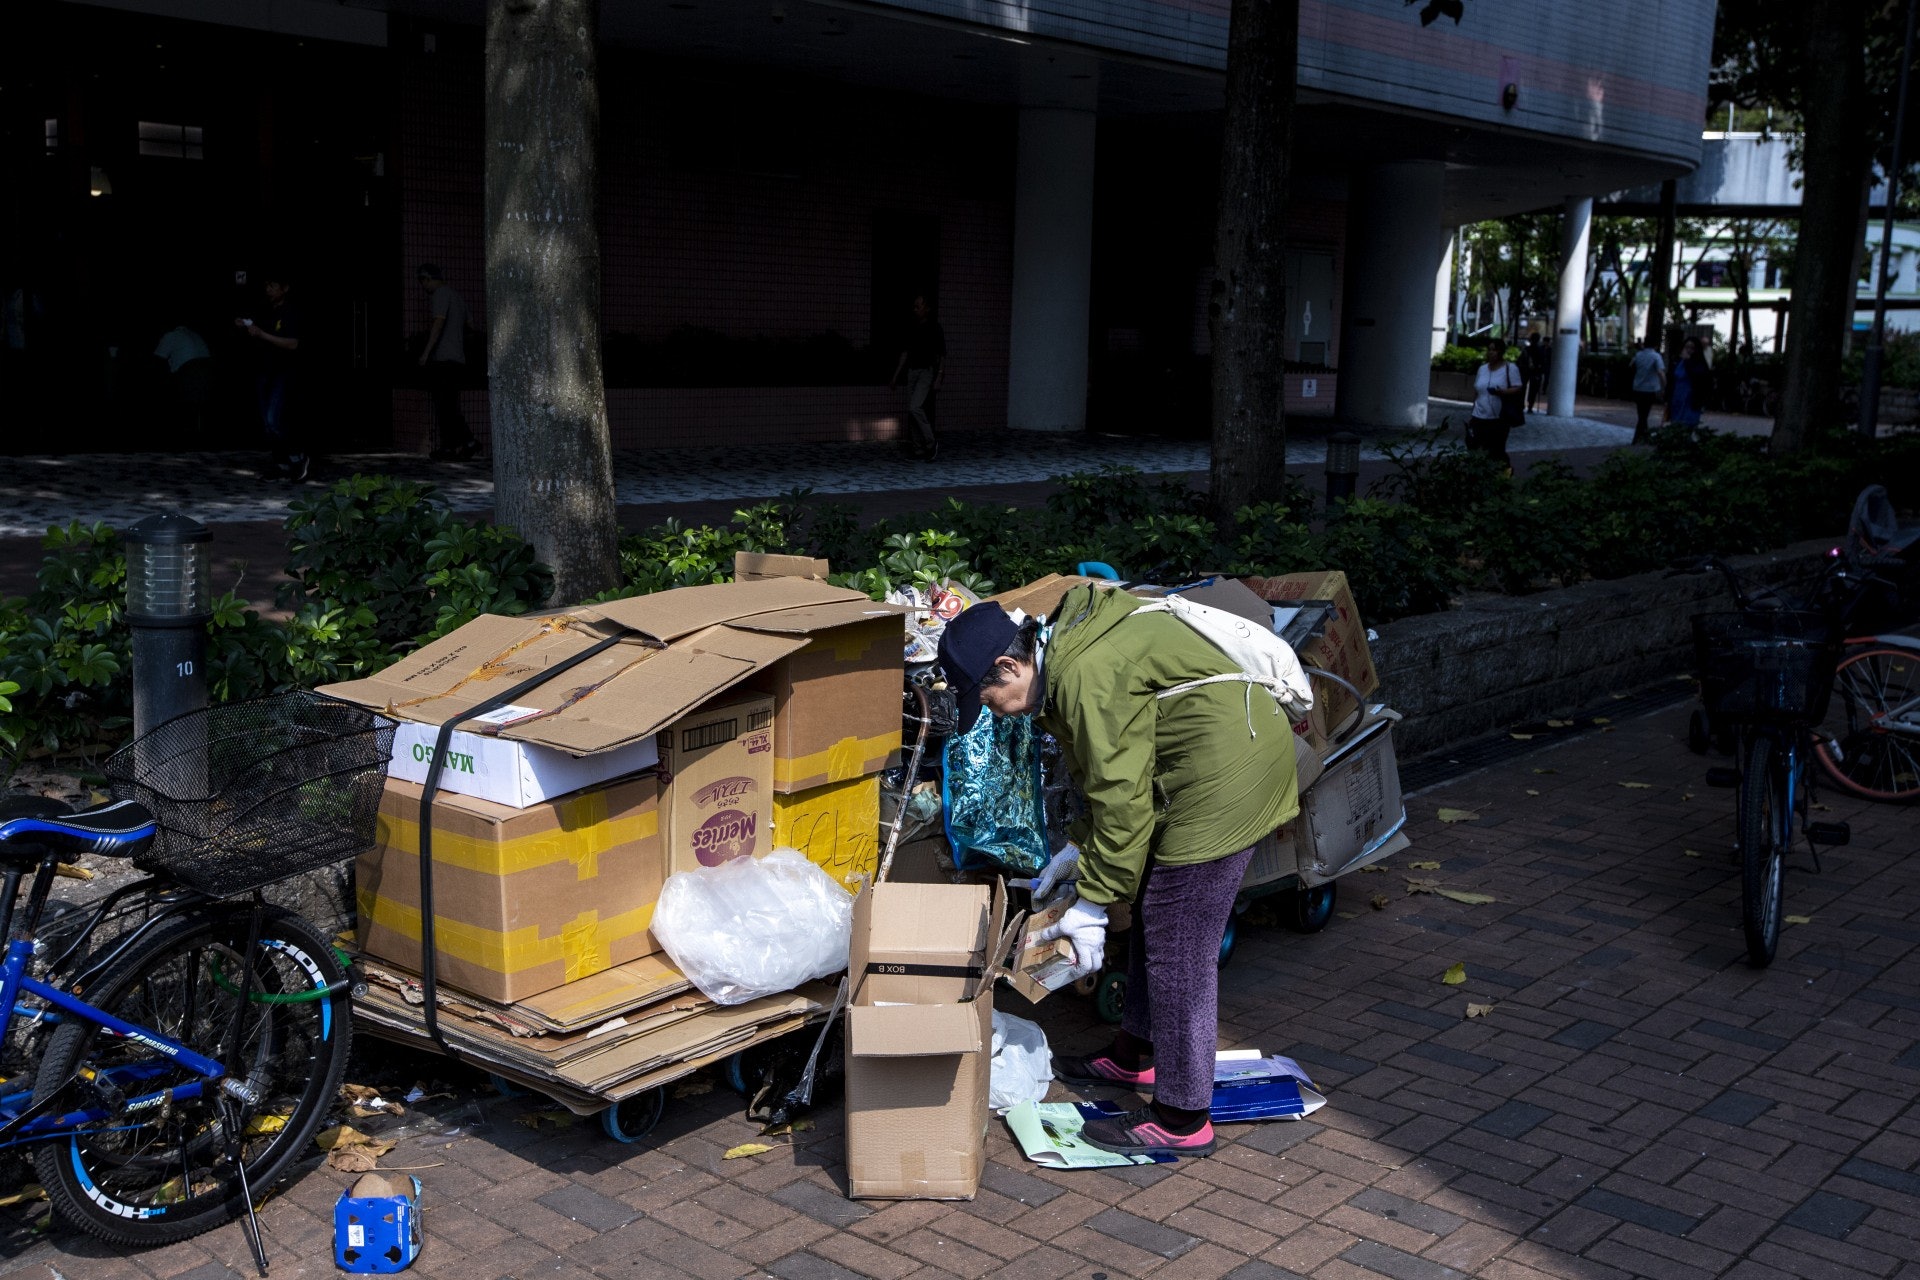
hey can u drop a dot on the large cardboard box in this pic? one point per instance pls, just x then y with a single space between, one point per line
718 763
923 962
837 826
516 774
1340 648
525 900
1354 814
836 703
669 654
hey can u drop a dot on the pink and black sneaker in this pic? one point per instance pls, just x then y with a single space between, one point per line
1102 1069
1141 1133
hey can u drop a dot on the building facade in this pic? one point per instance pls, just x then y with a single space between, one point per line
781 177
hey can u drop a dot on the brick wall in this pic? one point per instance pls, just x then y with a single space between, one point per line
742 204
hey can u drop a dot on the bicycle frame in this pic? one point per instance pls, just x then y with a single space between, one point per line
17 1125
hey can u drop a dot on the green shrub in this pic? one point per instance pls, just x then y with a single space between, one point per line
1453 358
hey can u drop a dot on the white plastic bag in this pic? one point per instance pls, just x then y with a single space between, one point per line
754 927
1022 1064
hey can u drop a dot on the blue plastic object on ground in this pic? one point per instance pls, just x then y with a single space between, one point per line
376 1235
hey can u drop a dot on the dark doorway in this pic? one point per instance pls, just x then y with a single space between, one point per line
906 265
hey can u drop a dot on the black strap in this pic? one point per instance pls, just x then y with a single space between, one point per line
925 970
428 976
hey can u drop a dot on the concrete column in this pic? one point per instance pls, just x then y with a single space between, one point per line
1386 318
1052 270
1574 229
1443 293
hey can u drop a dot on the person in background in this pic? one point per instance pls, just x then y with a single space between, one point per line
1494 383
278 334
1181 781
1688 388
1649 385
1536 360
923 359
190 371
445 360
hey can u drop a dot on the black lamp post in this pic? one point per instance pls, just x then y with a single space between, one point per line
169 599
1343 466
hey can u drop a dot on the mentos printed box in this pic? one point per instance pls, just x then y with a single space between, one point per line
718 771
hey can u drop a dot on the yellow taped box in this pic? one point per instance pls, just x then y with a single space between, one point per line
525 900
837 826
836 712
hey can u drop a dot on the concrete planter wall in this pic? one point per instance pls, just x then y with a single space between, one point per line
1504 659
1444 384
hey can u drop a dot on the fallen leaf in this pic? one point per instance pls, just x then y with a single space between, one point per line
552 1119
1619 697
1691 853
1821 808
71 872
746 1149
1798 919
1421 885
1638 786
1532 792
1458 815
31 1191
351 1151
693 1087
1479 1010
1423 866
1686 795
1546 771
260 1126
1462 895
1370 870
1521 737
1379 901
1346 915
1560 724
801 1125
1601 720
1456 975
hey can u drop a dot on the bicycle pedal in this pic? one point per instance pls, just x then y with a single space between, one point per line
1832 834
1723 776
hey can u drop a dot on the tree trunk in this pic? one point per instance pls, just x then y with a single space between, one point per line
552 460
1246 313
1662 273
1834 164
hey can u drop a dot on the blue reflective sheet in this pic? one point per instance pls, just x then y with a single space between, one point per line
990 782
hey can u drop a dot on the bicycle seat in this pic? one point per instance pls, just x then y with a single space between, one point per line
119 828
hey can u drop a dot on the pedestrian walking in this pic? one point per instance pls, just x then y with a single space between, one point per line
1689 387
923 359
1497 390
1537 361
277 385
444 357
1649 386
1179 789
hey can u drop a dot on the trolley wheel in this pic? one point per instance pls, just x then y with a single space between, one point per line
1308 910
1086 985
505 1087
1110 997
736 1072
634 1118
1227 940
1699 736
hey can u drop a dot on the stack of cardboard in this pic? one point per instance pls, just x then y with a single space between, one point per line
718 722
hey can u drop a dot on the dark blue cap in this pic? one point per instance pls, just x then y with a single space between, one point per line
967 649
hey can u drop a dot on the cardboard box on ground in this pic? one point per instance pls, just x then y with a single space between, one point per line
1339 646
676 658
923 962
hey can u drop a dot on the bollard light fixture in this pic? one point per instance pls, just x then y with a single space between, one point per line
1343 465
169 578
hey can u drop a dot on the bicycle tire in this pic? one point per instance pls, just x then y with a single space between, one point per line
1762 810
1861 757
154 1182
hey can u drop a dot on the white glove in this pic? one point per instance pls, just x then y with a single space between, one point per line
1062 868
1084 926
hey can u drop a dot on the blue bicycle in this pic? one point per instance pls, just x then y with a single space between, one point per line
174 1047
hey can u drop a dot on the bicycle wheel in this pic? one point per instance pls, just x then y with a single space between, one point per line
1763 815
165 1173
1859 745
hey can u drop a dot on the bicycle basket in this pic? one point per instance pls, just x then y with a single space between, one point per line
253 792
1766 665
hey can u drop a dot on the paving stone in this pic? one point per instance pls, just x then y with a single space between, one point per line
1453 928
1608 957
1409 1013
1457 1058
211 1270
1736 1108
1881 1175
1385 1260
1412 1212
589 1208
1258 1270
1638 1212
1512 1119
1740 1035
1828 1215
1015 1185
1892 999
1318 1056
1585 1034
1141 1234
810 1266
822 1205
1538 925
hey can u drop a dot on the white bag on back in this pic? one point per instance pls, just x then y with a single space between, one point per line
1263 657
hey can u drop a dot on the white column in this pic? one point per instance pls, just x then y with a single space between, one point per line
1443 293
1052 270
1574 229
1386 320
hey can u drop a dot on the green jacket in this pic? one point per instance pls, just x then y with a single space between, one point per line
1189 778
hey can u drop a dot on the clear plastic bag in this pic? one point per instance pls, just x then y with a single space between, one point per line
1022 1066
754 927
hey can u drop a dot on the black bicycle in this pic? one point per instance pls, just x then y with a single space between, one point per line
173 1047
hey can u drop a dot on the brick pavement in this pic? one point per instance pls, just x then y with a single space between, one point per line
1638 1103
